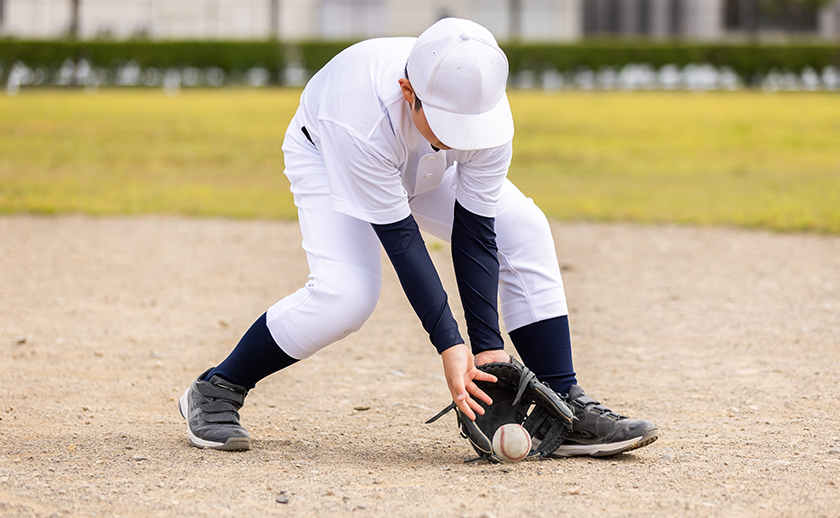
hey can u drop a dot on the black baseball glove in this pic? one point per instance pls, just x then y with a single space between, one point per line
518 397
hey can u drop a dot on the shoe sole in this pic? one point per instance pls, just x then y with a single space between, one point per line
606 450
232 444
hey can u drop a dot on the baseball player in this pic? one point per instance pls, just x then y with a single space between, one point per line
392 136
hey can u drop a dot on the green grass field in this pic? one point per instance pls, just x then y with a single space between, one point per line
738 158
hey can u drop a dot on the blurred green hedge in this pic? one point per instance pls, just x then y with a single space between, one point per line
226 55
747 60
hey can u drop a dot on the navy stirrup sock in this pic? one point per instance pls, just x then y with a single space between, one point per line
546 349
256 356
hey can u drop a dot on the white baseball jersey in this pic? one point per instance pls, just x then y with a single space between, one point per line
375 157
367 163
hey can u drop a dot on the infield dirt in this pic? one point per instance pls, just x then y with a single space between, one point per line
728 339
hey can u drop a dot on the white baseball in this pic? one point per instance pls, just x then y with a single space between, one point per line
511 442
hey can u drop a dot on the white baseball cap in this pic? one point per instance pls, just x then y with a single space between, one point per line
459 73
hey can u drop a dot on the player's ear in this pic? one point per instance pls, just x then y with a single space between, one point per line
407 90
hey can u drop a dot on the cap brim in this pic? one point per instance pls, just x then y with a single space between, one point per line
467 132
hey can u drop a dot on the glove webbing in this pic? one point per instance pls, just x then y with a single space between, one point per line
538 422
525 378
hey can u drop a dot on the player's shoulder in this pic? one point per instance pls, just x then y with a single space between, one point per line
370 66
357 87
488 155
376 49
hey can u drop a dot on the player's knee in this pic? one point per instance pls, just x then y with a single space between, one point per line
523 220
334 303
535 217
348 299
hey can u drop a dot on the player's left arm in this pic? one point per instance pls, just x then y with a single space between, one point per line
474 250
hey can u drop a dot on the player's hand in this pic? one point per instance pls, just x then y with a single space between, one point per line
495 355
461 375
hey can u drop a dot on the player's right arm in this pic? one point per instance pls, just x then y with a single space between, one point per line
365 183
420 281
404 245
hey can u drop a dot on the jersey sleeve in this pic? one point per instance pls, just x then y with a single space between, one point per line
362 172
481 175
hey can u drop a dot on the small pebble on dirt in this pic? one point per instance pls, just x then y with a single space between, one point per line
281 499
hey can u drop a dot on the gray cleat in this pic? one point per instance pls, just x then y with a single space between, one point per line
599 432
211 409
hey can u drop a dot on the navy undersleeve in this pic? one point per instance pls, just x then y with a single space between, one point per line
420 282
546 348
256 356
476 263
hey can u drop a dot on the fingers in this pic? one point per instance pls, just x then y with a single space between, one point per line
460 395
476 407
469 406
484 376
461 375
478 375
464 403
480 394
473 390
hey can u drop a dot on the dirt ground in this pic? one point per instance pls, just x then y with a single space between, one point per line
728 339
